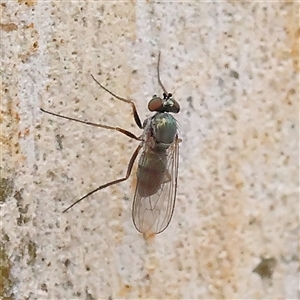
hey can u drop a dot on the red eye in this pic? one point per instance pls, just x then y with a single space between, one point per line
155 104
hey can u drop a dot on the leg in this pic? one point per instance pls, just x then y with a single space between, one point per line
128 133
129 169
135 114
158 75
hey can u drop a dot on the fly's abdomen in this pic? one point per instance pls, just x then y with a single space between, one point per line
151 172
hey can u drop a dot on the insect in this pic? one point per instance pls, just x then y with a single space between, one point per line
155 192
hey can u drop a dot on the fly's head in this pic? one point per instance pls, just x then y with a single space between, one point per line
165 104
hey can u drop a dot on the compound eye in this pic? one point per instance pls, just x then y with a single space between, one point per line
155 104
175 108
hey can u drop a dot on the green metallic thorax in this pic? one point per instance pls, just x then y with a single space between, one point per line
164 129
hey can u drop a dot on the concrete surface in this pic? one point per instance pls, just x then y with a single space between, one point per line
234 69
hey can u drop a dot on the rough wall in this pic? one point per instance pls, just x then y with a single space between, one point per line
234 69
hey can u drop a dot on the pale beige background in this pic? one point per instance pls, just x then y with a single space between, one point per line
235 230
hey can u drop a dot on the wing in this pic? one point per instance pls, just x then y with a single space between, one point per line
152 214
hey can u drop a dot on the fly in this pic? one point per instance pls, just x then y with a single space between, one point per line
155 193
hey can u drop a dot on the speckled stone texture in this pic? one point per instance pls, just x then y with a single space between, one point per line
235 72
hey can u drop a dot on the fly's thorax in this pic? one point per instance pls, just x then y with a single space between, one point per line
164 129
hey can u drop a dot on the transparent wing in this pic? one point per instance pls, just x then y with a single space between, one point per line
155 193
